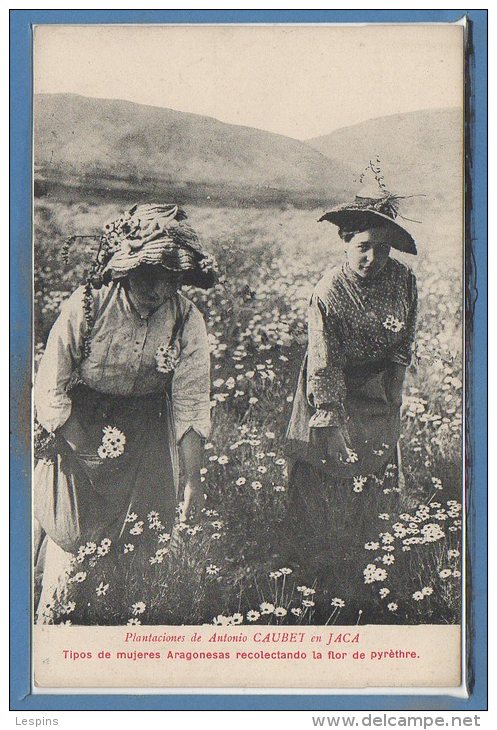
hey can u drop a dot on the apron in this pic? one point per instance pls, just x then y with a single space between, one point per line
80 495
327 522
372 425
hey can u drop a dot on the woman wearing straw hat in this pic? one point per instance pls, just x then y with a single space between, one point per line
122 391
345 425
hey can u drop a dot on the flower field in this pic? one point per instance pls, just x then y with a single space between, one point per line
226 567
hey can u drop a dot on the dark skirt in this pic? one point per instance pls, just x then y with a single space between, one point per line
328 537
333 508
81 496
371 426
327 517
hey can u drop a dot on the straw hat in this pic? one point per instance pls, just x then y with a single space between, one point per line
156 234
373 206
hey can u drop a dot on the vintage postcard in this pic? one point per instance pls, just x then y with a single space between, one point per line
249 357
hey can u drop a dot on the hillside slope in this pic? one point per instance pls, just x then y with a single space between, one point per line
83 140
420 151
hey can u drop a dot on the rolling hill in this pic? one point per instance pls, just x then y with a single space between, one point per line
420 151
111 146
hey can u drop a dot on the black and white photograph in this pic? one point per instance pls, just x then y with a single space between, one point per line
248 326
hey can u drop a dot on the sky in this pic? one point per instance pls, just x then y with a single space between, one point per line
301 82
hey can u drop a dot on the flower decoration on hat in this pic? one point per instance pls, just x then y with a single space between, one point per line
156 234
374 205
146 234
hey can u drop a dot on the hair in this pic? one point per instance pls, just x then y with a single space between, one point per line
352 228
347 236
174 274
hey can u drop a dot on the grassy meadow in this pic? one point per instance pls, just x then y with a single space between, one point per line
223 569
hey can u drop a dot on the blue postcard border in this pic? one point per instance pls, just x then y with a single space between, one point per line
21 697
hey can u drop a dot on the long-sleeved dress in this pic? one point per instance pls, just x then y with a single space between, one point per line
144 383
357 329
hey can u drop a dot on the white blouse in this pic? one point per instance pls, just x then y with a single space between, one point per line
123 357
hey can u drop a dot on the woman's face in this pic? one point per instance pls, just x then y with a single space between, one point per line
150 286
367 252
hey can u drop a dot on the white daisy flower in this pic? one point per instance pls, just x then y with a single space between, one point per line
266 608
166 358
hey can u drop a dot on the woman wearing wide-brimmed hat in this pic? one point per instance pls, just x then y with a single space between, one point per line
345 425
122 390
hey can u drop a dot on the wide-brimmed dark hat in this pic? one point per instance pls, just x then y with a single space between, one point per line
373 206
156 234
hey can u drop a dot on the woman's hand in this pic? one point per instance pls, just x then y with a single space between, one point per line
191 453
337 446
332 443
73 433
394 384
193 500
